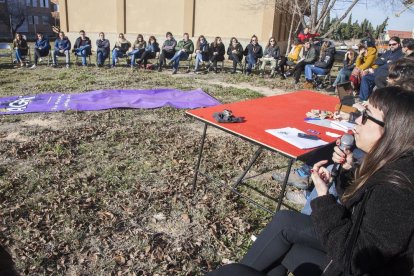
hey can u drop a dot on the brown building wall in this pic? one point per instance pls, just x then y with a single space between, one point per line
240 18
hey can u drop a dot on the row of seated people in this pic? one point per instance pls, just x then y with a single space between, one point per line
141 51
365 68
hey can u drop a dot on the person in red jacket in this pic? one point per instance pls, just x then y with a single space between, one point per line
305 34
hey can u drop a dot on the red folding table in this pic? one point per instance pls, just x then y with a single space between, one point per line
287 110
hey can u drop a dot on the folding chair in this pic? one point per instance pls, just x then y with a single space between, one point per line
77 58
322 81
6 51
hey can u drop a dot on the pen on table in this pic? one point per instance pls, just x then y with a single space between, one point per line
313 131
310 119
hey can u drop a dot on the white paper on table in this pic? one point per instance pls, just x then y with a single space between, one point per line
290 135
346 126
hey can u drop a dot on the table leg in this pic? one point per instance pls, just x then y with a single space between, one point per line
282 193
255 156
200 154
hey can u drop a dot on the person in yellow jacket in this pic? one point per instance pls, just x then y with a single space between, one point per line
295 54
364 63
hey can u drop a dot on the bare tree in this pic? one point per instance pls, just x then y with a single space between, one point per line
14 15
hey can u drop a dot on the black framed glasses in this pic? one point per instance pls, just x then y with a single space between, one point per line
366 116
392 44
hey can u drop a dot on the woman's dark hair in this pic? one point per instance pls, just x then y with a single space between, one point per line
401 70
254 36
140 36
198 41
168 33
152 38
353 54
409 43
397 140
215 41
268 43
231 41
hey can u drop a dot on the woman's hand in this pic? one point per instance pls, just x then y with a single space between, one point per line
321 178
342 157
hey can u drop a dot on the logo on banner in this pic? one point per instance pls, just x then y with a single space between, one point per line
18 105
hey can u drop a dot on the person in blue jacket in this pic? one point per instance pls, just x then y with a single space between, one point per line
62 48
379 75
41 49
150 51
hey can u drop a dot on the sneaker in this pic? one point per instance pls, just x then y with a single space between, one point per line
40 60
33 66
298 178
174 71
288 74
67 66
282 76
296 197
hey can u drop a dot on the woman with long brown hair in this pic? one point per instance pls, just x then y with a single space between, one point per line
201 51
345 72
217 52
20 48
137 48
370 231
235 53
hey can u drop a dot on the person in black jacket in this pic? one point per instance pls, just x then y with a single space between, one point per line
83 47
253 52
217 52
150 51
324 64
371 230
235 53
103 48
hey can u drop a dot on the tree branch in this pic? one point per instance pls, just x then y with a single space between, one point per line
335 25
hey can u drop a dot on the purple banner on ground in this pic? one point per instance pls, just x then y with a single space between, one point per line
106 99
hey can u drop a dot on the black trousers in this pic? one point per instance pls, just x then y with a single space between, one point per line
146 56
288 242
39 53
236 59
215 58
299 68
164 54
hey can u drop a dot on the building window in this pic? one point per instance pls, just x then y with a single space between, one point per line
34 3
36 19
45 20
2 1
30 20
29 3
44 3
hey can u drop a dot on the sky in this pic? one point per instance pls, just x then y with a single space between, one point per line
377 11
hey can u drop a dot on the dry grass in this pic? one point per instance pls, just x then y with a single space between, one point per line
109 192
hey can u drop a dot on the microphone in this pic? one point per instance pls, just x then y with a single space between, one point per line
347 142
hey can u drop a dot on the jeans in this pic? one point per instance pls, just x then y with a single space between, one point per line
19 55
135 54
343 76
281 235
180 55
251 61
116 54
56 53
311 69
198 59
101 57
83 51
367 85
